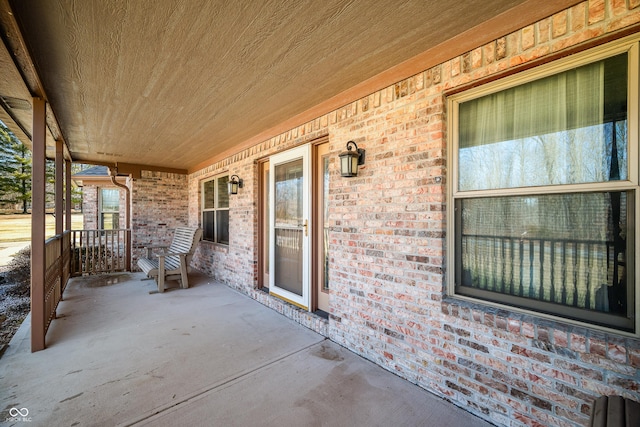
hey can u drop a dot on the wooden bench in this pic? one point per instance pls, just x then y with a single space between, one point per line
172 263
615 411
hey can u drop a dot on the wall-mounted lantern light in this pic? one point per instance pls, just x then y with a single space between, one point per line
349 160
234 183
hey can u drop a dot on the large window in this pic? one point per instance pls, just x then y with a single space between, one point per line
109 209
544 189
215 210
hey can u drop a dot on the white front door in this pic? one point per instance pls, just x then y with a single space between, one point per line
289 237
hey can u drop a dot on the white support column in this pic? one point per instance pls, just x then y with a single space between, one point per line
38 190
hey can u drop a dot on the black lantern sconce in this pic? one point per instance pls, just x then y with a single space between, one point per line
350 160
234 184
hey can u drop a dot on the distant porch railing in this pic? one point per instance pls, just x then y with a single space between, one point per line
100 251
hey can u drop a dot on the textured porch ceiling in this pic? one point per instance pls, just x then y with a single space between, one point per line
175 83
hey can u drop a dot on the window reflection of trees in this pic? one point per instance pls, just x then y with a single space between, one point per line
575 156
567 248
288 194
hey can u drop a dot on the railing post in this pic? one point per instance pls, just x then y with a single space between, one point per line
72 255
127 249
61 272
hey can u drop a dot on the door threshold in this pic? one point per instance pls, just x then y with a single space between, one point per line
321 313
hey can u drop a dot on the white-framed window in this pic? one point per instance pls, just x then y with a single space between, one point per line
109 201
543 190
215 209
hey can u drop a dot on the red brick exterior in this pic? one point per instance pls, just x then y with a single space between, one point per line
160 204
387 247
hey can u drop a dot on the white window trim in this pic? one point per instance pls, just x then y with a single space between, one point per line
630 45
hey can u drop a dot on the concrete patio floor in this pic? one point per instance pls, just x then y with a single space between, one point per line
207 355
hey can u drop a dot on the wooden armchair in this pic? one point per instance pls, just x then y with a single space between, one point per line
172 263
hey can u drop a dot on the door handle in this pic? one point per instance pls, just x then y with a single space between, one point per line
306 227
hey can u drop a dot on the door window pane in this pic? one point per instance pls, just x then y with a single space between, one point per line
288 196
288 226
267 229
288 260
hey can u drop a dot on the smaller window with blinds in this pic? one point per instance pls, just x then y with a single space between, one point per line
215 209
544 189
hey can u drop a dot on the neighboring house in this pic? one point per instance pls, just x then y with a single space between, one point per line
486 249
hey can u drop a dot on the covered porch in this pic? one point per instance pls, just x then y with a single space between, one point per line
118 355
179 101
187 98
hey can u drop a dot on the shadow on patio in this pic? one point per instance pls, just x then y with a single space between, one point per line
206 355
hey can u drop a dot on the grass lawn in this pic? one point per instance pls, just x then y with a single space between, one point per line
17 227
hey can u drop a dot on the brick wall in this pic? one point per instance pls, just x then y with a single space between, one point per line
90 207
160 204
387 248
